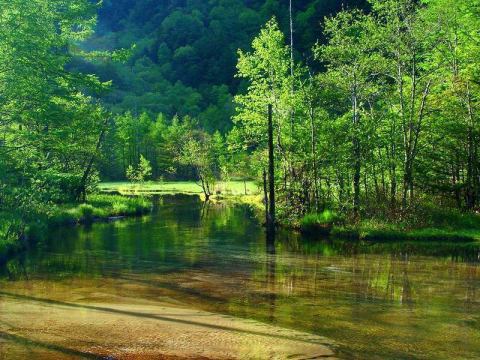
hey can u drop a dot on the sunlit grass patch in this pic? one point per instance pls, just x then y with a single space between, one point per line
230 188
100 206
424 222
374 230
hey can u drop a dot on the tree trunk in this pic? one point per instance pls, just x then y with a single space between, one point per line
271 172
407 179
205 188
314 158
393 169
81 190
341 188
455 180
292 113
265 196
411 137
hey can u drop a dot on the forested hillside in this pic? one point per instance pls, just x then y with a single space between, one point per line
185 52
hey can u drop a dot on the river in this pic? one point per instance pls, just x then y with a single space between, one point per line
362 300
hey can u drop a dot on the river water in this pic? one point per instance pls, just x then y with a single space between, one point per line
382 300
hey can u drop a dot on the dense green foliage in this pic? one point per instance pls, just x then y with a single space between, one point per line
391 119
145 148
50 125
185 51
374 105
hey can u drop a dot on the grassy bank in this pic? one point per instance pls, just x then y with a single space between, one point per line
425 223
13 231
99 207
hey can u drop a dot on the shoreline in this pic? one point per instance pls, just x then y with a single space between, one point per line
98 208
366 230
113 204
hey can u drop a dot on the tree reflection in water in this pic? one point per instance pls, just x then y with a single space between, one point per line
371 298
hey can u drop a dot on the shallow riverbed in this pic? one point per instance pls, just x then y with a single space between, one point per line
200 280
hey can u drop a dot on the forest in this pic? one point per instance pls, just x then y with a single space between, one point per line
373 104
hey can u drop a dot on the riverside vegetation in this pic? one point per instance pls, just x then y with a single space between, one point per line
374 110
15 230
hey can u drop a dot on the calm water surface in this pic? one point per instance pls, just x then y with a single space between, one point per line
387 300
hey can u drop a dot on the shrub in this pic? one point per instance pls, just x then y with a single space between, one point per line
86 212
322 222
119 208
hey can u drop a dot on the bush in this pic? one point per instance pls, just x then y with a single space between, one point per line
322 222
142 205
12 231
429 215
86 212
119 208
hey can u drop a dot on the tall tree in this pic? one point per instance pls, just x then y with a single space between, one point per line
453 26
267 70
404 45
50 125
350 62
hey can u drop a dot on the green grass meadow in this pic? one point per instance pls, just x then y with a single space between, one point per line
223 188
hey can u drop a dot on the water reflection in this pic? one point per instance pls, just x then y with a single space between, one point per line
416 300
271 269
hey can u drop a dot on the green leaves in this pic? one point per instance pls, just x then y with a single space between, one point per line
141 172
267 70
51 125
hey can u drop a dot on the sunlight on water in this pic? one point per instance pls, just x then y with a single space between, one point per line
372 300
